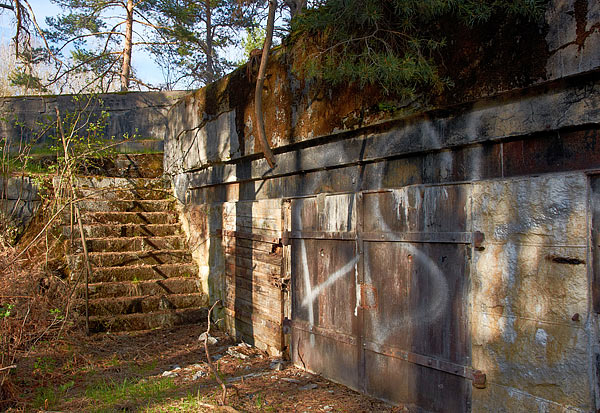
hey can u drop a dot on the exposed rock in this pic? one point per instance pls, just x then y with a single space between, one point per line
211 340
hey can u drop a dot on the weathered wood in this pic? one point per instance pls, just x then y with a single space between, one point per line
255 287
253 265
255 255
233 270
232 242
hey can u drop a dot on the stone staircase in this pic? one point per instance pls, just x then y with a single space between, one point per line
143 274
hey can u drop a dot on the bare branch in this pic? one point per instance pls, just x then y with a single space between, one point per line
208 358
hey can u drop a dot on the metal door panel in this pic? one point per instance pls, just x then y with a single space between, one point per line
379 285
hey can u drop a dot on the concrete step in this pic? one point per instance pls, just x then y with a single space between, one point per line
141 145
141 321
133 205
176 285
121 259
121 244
104 182
123 194
143 272
148 165
137 218
144 304
124 230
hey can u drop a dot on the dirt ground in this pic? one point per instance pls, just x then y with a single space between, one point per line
166 371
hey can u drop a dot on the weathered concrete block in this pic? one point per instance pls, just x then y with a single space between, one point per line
19 188
18 212
541 283
547 210
545 360
510 400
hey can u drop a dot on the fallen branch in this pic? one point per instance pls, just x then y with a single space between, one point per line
208 358
14 366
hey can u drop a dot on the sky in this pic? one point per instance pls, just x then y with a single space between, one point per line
142 62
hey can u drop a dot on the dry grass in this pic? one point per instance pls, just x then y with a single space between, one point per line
34 302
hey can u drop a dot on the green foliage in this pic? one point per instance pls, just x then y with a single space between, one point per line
48 397
5 310
193 36
108 394
85 136
90 39
255 38
44 365
390 44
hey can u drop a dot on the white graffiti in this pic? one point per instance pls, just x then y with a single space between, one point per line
427 311
314 292
307 287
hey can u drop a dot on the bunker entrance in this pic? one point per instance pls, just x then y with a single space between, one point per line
379 297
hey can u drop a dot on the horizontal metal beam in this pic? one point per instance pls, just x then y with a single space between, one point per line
419 237
467 372
476 376
416 237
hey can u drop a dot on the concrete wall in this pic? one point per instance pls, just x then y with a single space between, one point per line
525 157
135 113
19 201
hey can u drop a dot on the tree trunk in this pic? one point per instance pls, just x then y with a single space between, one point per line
210 70
126 67
260 81
295 6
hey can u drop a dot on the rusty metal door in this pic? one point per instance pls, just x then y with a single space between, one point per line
379 293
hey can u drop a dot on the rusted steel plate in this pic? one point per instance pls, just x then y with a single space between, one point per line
379 296
435 237
326 356
324 283
421 298
324 305
399 381
416 209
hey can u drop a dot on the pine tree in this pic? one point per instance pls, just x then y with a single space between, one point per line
195 34
99 36
390 43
